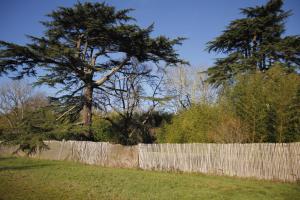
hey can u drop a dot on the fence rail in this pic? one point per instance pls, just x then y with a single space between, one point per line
261 161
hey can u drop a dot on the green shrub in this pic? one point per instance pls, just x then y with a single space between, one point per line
269 103
102 130
192 125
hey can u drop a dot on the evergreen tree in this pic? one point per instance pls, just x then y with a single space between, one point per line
81 49
254 42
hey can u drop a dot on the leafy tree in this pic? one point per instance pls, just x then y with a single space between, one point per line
191 125
293 118
259 107
267 103
83 46
254 42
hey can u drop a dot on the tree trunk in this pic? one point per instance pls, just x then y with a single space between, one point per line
87 108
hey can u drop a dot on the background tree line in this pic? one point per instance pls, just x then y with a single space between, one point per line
119 84
257 83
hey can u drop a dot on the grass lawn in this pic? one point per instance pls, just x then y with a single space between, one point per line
22 178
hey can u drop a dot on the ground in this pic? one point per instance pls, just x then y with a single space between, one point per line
23 178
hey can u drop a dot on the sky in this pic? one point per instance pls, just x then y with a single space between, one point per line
199 21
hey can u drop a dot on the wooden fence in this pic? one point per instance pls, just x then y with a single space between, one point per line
96 153
261 161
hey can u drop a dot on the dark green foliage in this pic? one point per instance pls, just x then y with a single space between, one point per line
42 124
102 130
30 131
140 128
254 42
82 47
96 55
67 131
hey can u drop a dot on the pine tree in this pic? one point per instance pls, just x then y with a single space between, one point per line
83 46
254 42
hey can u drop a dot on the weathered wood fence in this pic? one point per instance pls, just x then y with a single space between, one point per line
261 161
96 153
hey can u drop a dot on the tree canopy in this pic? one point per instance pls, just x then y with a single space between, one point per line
115 85
82 47
254 42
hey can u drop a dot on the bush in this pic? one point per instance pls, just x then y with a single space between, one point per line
102 130
258 107
192 125
268 102
230 129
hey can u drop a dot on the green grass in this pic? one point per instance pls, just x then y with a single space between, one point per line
22 178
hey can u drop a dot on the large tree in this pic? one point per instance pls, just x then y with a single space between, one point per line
130 105
254 42
83 47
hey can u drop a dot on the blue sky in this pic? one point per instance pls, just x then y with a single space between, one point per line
198 20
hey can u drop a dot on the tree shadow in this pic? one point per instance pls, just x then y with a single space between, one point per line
20 166
7 158
24 167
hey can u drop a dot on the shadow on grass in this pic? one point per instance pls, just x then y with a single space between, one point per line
7 158
24 167
20 166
